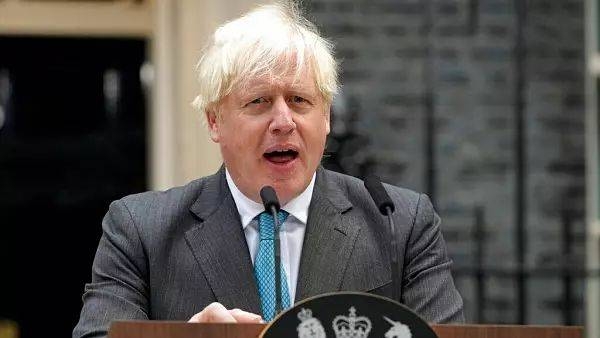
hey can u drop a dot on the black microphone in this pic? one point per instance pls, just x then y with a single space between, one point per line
269 198
380 196
386 207
271 203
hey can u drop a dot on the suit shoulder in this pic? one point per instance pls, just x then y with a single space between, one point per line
354 183
404 199
166 198
169 206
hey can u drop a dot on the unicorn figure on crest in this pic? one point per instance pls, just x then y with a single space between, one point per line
398 330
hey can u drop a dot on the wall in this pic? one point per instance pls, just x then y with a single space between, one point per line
436 98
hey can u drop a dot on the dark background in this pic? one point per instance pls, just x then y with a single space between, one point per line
480 104
73 139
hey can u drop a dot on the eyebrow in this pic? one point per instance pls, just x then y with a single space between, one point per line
252 90
274 81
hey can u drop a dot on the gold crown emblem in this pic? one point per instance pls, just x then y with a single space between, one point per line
351 326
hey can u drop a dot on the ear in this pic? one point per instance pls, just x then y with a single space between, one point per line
327 119
213 122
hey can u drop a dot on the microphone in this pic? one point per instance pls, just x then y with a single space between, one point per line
386 207
271 203
379 195
269 198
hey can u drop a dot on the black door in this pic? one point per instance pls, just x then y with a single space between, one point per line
72 139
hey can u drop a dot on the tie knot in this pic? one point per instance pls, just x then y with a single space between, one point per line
266 223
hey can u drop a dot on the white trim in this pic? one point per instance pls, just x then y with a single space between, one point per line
594 64
121 18
592 291
595 230
162 143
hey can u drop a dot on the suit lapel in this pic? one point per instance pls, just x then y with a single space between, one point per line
220 247
329 240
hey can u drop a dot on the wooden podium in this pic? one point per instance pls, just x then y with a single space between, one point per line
162 329
8 329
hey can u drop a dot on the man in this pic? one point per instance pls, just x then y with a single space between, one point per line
197 252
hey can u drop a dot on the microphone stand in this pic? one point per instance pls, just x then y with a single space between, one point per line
394 258
277 262
386 207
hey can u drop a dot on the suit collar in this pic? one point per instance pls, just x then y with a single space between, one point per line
248 209
327 188
215 190
211 196
329 240
220 248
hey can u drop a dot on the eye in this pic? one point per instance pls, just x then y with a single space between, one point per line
257 101
298 99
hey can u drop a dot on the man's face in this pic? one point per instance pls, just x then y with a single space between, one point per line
272 132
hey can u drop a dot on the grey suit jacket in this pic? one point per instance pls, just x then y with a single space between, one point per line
167 255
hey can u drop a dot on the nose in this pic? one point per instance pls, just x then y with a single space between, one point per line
282 122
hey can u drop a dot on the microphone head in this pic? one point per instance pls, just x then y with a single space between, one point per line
379 194
269 198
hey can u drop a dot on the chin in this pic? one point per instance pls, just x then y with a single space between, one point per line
286 190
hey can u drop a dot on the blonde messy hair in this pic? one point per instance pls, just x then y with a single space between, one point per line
271 40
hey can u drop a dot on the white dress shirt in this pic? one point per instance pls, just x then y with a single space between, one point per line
292 230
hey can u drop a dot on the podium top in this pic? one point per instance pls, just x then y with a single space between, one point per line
174 329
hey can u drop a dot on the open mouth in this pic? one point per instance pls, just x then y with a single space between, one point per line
281 156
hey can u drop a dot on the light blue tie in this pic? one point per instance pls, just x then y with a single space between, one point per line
264 266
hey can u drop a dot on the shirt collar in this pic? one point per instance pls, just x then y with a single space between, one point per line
248 209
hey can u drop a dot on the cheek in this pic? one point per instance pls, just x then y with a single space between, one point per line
244 138
323 131
315 137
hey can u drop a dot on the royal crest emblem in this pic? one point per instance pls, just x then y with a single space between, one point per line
351 326
398 330
348 315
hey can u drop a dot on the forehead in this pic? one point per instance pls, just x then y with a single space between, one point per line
301 80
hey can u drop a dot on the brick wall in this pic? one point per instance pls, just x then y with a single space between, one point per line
455 62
